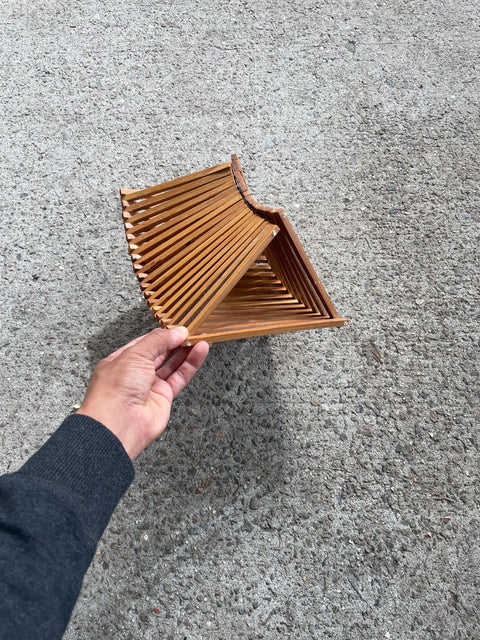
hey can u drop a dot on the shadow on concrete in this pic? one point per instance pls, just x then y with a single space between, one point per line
210 474
129 325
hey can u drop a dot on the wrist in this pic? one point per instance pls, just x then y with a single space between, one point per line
117 427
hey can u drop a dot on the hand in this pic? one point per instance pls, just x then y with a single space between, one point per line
131 390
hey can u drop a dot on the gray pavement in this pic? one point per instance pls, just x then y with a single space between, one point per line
338 468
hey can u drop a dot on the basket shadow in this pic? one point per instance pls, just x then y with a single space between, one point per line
120 331
217 468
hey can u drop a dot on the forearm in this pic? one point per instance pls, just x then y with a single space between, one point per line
53 512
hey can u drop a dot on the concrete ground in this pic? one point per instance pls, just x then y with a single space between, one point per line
339 468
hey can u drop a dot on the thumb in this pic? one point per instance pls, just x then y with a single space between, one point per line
158 342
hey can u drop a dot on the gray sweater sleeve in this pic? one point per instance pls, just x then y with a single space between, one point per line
53 512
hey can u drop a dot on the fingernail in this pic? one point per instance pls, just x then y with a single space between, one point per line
181 332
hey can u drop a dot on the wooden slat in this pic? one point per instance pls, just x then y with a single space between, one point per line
233 275
186 232
271 305
187 259
173 260
185 271
198 286
286 227
209 182
259 297
216 323
150 228
301 283
237 333
282 273
130 194
146 241
166 215
191 197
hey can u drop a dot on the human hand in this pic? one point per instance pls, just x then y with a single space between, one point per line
131 390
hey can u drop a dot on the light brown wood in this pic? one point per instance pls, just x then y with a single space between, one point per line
171 266
209 270
231 277
194 197
152 223
210 257
208 182
170 241
203 213
143 193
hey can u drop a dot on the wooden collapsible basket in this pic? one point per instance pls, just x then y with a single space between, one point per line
209 257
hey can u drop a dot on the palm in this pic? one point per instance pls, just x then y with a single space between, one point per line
132 390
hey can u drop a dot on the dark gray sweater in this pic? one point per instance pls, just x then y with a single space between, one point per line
53 512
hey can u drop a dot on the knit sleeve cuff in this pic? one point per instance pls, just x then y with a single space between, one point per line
86 458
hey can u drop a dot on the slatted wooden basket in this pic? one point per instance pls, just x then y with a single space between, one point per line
209 257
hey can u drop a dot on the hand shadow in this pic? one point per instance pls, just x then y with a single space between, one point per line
223 447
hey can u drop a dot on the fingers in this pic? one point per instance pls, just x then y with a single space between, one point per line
160 343
165 357
165 371
194 358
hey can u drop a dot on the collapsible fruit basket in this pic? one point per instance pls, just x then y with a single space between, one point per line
211 258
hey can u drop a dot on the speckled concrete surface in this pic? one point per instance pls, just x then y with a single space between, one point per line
338 468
